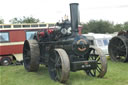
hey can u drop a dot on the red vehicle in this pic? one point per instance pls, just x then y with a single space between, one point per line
12 37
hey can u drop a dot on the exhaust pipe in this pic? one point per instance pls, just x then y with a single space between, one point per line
74 18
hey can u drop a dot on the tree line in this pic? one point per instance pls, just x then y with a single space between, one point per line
95 26
24 19
101 26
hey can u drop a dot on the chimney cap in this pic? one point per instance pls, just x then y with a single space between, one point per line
74 3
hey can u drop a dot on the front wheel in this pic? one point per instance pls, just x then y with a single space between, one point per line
98 55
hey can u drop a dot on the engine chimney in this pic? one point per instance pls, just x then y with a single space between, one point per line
74 17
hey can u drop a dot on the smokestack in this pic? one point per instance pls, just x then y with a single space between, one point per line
74 17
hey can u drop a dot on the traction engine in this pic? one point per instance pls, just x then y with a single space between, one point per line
118 47
63 50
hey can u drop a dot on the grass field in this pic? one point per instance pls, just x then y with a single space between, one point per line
16 75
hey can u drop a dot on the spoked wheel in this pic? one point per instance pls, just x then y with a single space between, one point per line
31 55
58 65
100 71
118 49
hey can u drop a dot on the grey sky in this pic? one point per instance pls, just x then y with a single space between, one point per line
53 10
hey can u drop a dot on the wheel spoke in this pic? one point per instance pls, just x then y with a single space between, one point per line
58 61
94 56
98 63
91 57
52 60
98 59
98 68
59 73
94 71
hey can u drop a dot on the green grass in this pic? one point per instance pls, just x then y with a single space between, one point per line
117 74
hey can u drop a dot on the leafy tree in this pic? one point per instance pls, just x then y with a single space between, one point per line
126 25
1 21
118 27
98 27
15 20
24 20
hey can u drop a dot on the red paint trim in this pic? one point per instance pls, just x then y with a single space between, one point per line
11 49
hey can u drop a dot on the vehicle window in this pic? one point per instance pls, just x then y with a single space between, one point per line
35 25
0 26
99 42
30 35
91 42
7 26
105 41
26 26
42 25
17 26
4 36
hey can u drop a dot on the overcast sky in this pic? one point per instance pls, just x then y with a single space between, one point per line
53 10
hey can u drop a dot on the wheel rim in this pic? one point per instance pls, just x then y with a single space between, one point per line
100 71
59 67
118 49
6 62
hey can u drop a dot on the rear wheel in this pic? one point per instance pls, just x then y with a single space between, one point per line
100 71
59 66
31 55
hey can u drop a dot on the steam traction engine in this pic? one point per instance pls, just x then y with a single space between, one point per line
118 47
64 51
